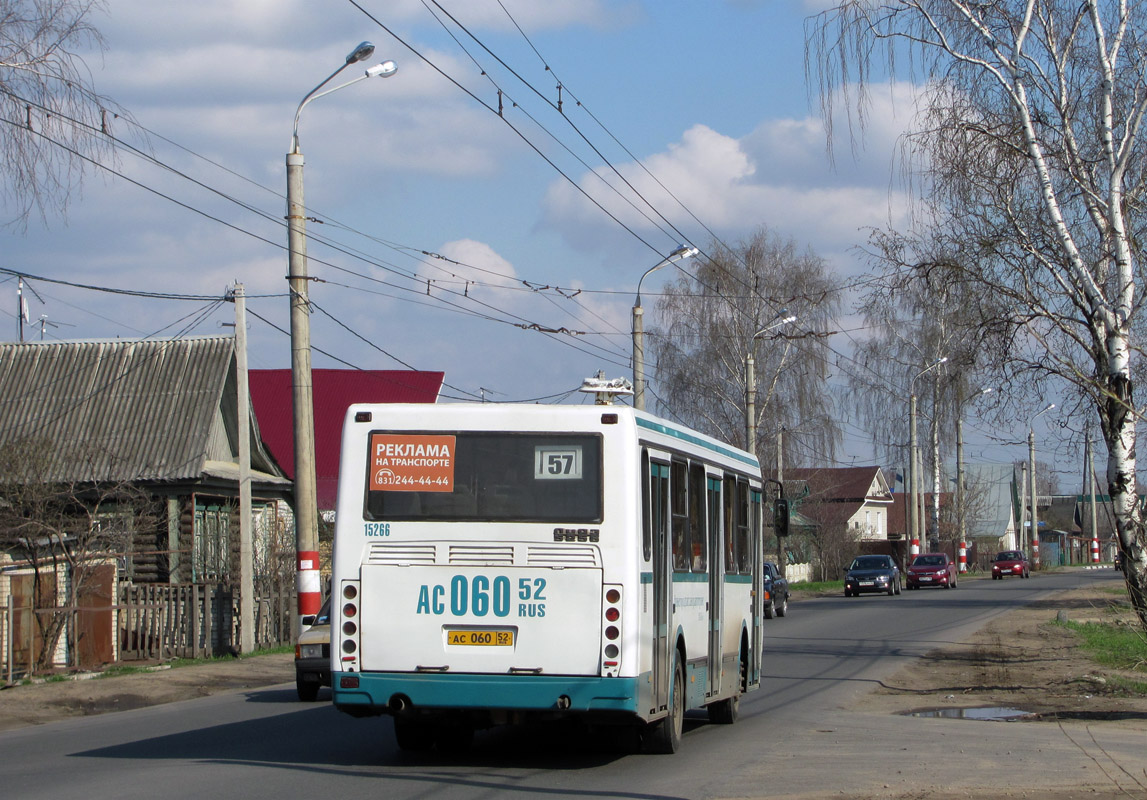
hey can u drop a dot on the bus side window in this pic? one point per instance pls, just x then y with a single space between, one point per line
646 522
679 492
715 523
755 519
744 553
658 498
730 494
698 540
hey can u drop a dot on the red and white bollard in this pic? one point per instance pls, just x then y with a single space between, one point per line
963 557
308 582
914 550
1035 552
1094 549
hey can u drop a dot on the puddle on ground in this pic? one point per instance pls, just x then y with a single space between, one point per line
995 714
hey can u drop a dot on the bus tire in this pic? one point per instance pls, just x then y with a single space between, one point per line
725 712
413 734
665 734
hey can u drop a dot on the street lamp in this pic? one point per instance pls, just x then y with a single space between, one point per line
751 381
306 501
914 518
680 254
1031 483
961 513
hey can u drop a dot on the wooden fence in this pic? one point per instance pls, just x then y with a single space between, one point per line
161 621
155 622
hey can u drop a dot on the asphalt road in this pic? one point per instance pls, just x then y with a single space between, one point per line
795 737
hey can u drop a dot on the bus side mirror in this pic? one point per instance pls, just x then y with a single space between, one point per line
781 517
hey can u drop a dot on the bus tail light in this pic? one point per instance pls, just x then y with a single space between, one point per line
611 631
348 648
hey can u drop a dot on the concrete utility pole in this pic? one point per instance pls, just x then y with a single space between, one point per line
680 254
1032 486
961 487
1023 507
1089 492
1093 484
751 381
302 393
961 515
246 568
914 511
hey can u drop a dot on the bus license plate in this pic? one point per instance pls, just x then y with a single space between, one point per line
479 638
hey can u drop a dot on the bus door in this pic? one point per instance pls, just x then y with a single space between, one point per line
757 543
716 579
658 521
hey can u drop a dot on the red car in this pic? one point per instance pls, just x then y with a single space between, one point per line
932 569
1010 562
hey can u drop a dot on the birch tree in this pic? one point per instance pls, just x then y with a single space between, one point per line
1030 157
733 304
924 341
51 118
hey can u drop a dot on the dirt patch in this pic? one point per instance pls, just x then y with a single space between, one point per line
1024 660
40 703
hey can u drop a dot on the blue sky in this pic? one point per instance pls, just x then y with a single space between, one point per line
708 97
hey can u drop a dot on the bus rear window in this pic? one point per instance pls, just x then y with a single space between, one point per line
467 476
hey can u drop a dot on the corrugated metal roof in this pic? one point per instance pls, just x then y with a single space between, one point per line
115 409
334 390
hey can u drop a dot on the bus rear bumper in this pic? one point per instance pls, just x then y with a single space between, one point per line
389 692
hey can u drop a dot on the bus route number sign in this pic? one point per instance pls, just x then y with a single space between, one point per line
480 638
557 463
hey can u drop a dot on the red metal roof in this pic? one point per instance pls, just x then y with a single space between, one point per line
334 391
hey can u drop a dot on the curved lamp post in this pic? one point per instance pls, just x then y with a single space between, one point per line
680 254
306 501
751 381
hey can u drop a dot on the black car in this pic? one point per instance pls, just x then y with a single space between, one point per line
774 591
872 574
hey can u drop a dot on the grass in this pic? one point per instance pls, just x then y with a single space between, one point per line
1118 646
818 586
1128 686
112 672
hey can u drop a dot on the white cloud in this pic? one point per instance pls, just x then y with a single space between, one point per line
780 175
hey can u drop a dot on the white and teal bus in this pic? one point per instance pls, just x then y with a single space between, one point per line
499 563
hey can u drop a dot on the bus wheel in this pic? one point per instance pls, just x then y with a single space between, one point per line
725 712
665 734
413 734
